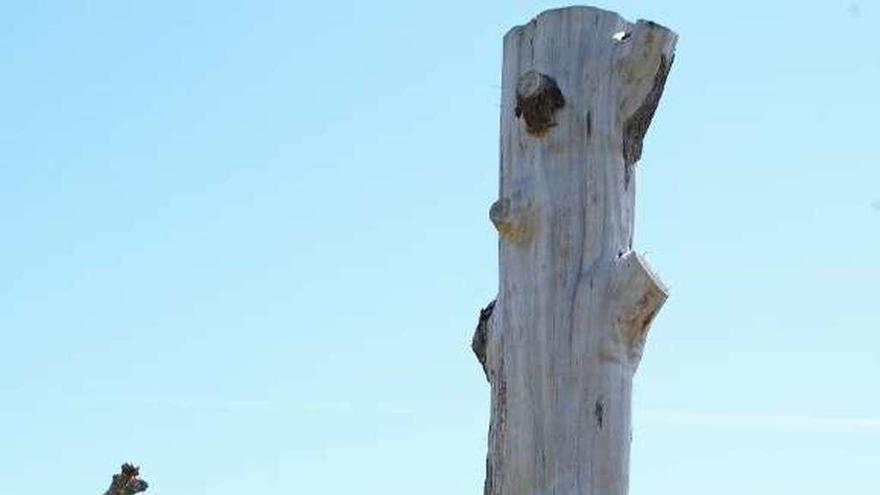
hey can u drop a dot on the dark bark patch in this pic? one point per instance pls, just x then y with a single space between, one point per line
488 483
495 459
480 339
636 125
599 414
589 125
537 100
127 481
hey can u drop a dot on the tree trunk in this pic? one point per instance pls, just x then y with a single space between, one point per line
562 341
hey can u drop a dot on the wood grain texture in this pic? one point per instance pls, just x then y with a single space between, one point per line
564 338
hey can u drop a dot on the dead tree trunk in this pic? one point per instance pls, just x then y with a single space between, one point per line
562 341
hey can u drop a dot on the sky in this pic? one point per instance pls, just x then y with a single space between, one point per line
244 245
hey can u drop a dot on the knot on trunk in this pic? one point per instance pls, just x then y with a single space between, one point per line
512 217
537 99
639 294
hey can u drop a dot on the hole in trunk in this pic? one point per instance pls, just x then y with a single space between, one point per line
621 36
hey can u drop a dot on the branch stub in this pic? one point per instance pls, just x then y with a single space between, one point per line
537 99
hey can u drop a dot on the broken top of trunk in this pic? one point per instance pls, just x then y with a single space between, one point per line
127 481
562 341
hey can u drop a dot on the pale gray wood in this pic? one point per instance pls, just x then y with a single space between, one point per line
562 341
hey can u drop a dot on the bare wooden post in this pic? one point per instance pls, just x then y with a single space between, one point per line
562 341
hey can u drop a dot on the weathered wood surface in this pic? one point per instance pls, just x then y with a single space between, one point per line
562 341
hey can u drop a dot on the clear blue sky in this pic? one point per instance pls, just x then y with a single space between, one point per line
244 245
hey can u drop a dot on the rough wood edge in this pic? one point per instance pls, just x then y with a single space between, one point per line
640 294
127 481
636 126
650 52
481 336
